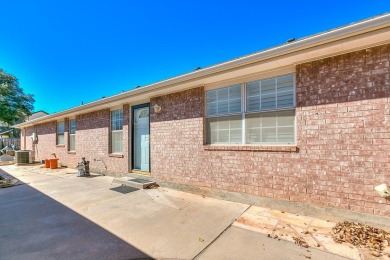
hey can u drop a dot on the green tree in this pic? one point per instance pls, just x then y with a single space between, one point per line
15 105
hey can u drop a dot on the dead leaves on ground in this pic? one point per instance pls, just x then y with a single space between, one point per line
153 186
357 234
300 242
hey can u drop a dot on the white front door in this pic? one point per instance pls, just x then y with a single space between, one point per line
141 138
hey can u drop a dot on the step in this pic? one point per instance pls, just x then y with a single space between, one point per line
137 183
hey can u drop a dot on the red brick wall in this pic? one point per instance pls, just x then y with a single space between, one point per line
343 139
92 142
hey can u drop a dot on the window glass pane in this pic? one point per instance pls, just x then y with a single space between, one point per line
236 136
223 94
224 130
235 92
253 103
211 108
268 86
253 121
285 99
270 128
211 96
268 135
60 139
235 106
60 127
223 107
253 135
286 134
223 136
269 120
285 83
235 122
270 94
212 136
223 101
268 101
116 142
72 142
72 126
116 120
286 118
253 88
223 124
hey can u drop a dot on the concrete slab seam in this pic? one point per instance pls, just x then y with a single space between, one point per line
223 231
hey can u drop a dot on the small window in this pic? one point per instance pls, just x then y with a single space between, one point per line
72 134
60 133
117 131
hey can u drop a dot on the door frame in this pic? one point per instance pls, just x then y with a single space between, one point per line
132 138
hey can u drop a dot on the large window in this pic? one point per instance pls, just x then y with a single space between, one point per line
116 131
72 134
259 112
60 133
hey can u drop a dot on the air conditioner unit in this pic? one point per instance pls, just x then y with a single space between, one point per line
24 157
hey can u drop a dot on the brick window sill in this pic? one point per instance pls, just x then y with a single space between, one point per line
116 155
252 148
60 145
71 152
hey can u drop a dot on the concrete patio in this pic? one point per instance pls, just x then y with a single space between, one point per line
156 223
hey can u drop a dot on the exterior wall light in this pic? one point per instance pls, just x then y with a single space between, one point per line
157 108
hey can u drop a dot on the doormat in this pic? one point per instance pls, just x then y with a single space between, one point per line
124 189
139 180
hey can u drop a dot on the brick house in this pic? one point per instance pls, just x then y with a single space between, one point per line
307 121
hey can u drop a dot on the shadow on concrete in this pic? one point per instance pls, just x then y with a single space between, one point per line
124 189
34 226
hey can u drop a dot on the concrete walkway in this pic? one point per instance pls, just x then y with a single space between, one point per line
55 215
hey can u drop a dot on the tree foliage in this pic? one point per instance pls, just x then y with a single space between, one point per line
15 105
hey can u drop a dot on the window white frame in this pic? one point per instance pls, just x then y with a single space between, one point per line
244 112
60 140
72 135
116 131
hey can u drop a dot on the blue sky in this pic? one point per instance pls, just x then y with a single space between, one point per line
66 52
